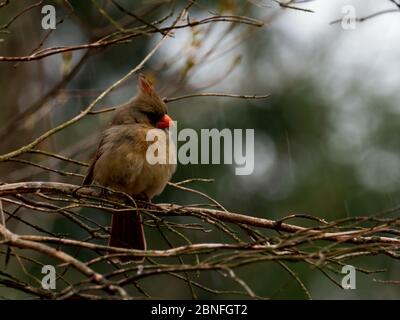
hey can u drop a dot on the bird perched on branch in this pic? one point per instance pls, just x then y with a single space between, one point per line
120 161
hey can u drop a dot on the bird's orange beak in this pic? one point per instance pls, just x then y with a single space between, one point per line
165 122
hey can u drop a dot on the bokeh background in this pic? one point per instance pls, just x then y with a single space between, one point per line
326 139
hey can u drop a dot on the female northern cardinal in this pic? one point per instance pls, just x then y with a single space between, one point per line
120 161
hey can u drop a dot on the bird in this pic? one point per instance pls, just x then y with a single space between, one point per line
120 162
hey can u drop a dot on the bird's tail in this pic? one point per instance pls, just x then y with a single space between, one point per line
127 232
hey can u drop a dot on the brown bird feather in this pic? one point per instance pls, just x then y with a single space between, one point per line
120 162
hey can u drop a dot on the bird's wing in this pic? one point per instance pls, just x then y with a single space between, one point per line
89 175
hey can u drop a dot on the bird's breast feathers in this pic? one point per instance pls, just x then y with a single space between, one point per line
126 164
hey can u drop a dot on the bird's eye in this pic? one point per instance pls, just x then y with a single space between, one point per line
153 117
